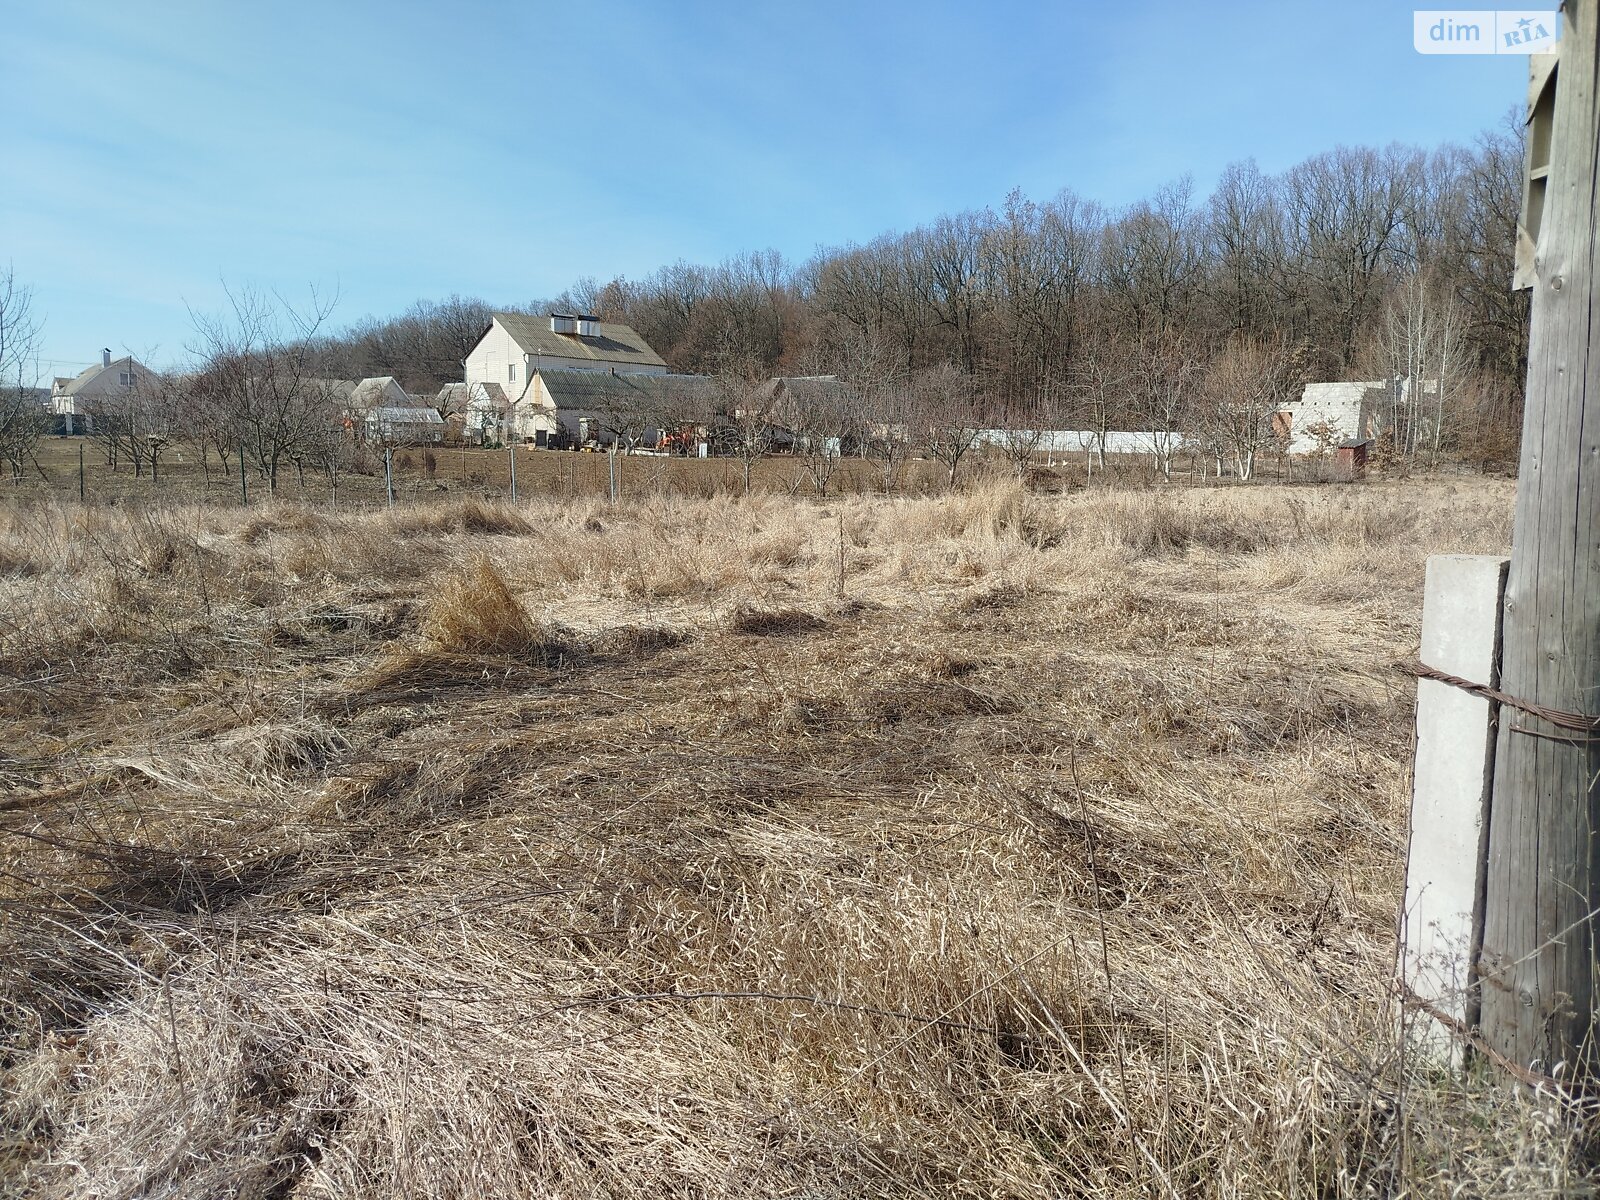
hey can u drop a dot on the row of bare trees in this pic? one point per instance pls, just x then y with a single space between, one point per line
254 402
260 393
1019 295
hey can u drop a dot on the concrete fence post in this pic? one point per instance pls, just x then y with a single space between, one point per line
1442 923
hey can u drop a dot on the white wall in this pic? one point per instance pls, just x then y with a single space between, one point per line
1337 405
1062 441
490 358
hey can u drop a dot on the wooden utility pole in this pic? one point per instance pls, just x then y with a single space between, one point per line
1536 968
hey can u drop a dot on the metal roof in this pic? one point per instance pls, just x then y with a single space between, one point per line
598 390
395 415
785 398
613 343
331 389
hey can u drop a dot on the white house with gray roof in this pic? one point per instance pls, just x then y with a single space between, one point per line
516 348
383 391
104 384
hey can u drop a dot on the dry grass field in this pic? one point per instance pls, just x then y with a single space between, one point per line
465 472
985 845
457 473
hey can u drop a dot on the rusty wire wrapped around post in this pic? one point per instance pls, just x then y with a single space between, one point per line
1579 723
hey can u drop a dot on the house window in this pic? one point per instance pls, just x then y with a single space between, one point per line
125 378
511 372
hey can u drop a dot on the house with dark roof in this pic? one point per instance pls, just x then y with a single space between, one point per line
516 348
103 385
794 404
630 408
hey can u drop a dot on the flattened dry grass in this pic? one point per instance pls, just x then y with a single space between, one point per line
1059 856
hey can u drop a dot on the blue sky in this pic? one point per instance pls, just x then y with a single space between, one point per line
150 149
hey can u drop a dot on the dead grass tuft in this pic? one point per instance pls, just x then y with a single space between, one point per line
475 612
995 598
282 518
638 641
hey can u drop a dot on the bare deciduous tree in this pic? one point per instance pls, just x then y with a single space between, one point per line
135 421
1165 373
1020 430
260 362
1247 381
1424 353
1102 385
945 410
22 419
825 416
743 424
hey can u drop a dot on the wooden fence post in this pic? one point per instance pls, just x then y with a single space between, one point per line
1536 969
